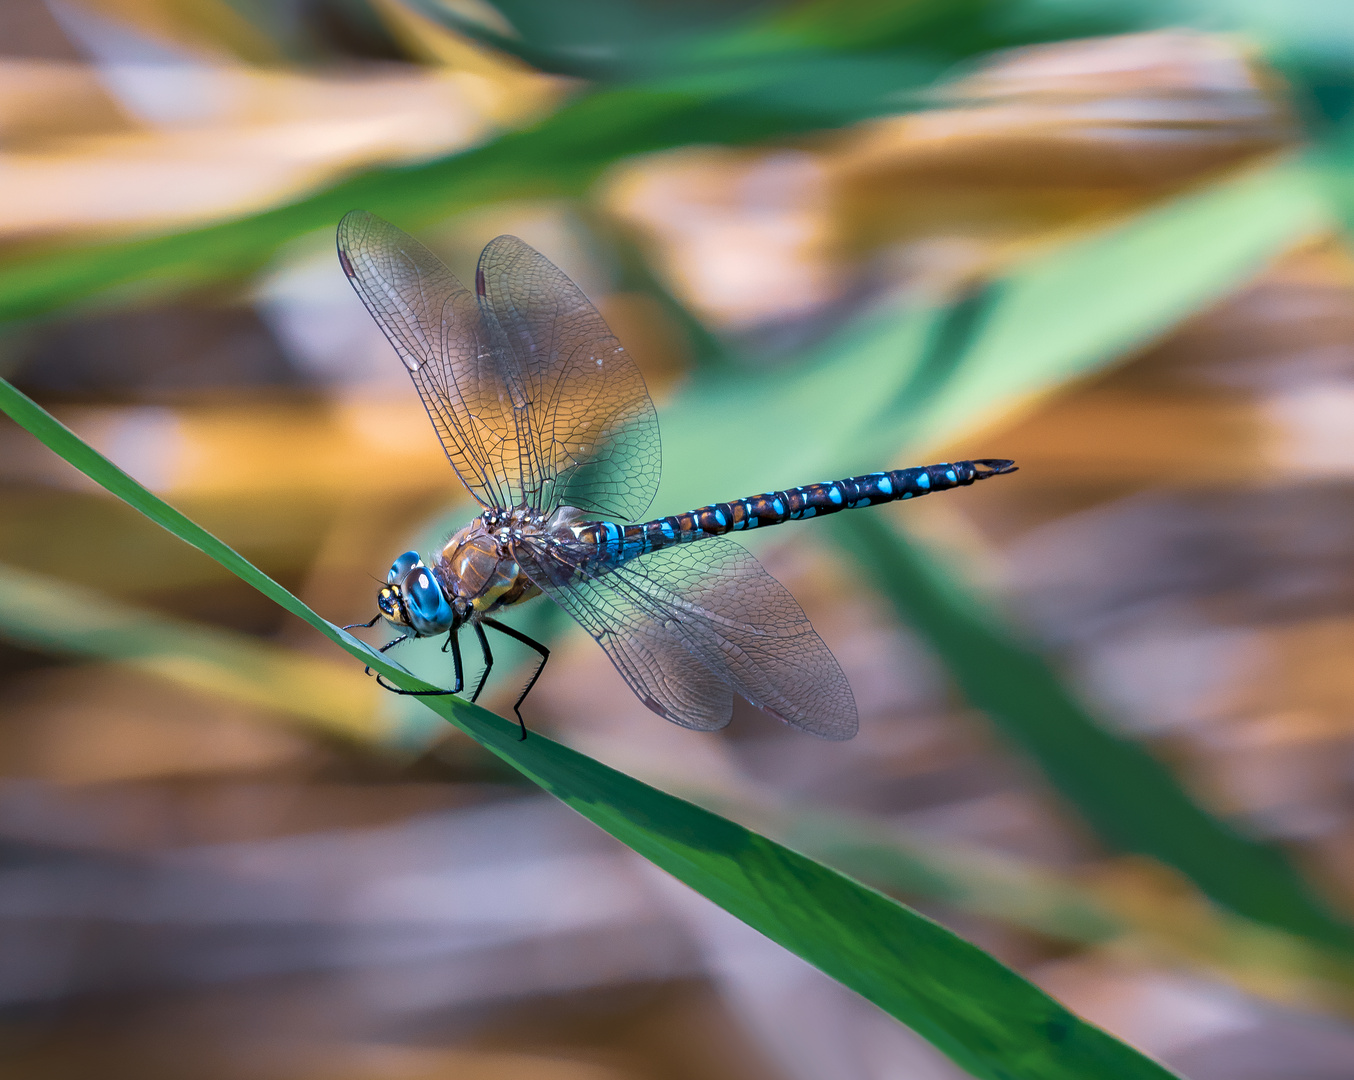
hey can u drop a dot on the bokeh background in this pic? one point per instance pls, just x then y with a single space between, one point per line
1107 703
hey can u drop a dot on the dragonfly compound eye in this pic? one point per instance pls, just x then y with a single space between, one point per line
429 612
402 566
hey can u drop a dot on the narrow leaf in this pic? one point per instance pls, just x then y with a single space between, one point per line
559 156
1126 795
916 376
983 1015
770 76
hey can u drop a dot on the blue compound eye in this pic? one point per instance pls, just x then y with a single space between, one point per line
402 566
429 611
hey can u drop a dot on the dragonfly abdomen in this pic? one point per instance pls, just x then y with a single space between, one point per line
620 543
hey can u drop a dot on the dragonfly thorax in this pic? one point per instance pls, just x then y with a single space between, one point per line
477 565
519 520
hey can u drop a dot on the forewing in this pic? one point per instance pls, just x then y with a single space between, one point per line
585 424
689 626
438 330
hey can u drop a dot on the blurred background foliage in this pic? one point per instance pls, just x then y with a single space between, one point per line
1106 711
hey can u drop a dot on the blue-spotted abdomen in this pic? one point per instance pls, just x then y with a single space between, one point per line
619 543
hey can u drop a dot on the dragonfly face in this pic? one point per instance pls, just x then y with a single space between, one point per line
413 599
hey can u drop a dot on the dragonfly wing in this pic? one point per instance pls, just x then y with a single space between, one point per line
585 423
534 399
690 626
437 328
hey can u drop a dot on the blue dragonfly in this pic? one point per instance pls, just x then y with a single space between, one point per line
547 421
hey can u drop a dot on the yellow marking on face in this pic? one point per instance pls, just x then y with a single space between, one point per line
395 614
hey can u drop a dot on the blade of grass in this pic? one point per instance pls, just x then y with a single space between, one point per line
983 1015
1132 908
771 77
606 41
1083 307
1333 159
1129 902
559 156
335 698
1052 320
783 75
1126 795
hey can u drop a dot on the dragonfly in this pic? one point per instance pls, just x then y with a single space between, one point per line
548 423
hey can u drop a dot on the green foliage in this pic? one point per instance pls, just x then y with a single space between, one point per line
933 373
757 81
983 1015
1125 794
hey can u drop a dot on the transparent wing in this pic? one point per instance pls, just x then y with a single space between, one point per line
535 401
436 327
585 422
690 626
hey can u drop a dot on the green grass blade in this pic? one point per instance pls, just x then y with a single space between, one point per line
333 697
769 77
983 1015
559 156
911 377
1333 160
1125 908
993 885
932 373
1080 309
1126 795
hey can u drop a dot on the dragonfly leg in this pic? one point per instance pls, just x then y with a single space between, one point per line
517 635
488 662
414 693
454 643
383 648
367 625
456 660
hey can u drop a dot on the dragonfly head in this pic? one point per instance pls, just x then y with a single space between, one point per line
413 599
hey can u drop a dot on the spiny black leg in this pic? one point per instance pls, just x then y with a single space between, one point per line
414 693
488 662
454 640
545 655
368 626
456 659
383 648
